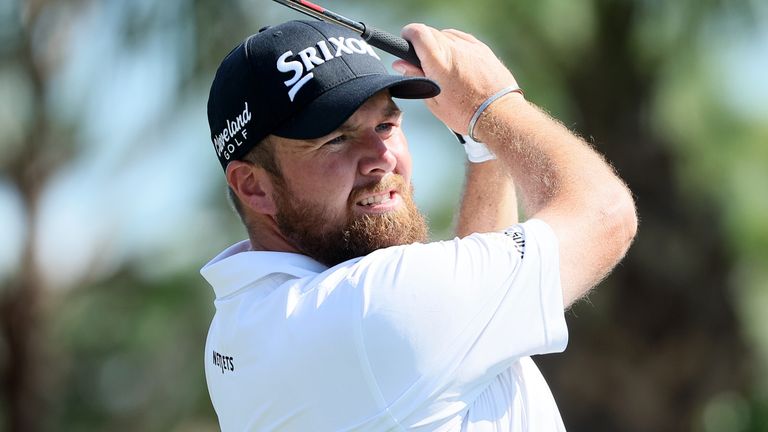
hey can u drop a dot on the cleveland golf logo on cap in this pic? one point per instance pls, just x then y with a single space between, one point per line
310 57
234 128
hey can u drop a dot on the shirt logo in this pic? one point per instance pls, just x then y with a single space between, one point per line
316 55
518 238
226 363
235 128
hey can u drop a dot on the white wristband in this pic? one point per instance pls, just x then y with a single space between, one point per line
484 105
477 152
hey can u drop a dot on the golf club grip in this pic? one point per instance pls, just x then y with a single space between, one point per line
392 44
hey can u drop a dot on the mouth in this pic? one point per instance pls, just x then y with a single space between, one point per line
379 203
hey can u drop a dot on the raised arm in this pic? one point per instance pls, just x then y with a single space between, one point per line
561 179
489 202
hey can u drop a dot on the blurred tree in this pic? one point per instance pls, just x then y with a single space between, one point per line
117 351
41 148
658 347
133 354
661 338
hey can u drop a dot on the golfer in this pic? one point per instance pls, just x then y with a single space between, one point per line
337 313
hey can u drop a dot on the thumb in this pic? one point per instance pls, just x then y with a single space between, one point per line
407 69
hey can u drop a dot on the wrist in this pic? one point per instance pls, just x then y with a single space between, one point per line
499 115
476 151
507 92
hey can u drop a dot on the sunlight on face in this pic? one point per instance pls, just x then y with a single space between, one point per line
348 194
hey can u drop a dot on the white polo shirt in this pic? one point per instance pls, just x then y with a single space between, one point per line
427 337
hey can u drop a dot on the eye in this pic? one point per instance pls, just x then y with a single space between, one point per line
385 127
338 140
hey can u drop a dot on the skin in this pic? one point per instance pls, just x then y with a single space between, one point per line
334 173
561 179
489 202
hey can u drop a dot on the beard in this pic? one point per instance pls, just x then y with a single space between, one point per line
313 231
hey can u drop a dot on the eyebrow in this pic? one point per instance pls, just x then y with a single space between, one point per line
389 111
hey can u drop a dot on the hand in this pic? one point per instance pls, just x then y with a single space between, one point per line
465 68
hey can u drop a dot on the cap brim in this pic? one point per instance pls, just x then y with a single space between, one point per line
331 109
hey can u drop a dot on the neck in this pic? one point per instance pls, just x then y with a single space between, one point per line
266 236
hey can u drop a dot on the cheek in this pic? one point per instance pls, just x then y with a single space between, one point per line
404 161
325 182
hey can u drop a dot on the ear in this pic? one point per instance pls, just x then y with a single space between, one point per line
253 186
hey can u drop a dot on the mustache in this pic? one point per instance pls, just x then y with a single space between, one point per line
394 182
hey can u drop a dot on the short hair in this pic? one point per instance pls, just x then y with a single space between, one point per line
262 155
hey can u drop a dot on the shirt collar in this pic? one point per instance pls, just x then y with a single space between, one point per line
238 266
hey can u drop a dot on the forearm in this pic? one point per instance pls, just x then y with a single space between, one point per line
550 165
560 178
566 183
489 202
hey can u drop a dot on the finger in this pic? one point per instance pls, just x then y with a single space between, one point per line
407 69
424 38
461 35
415 32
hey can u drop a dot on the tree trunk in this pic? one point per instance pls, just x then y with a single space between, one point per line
20 303
661 336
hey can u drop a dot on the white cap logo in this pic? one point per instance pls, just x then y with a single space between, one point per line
310 57
235 128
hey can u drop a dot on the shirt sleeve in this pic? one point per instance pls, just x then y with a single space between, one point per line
441 320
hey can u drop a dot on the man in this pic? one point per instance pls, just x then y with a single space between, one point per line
337 313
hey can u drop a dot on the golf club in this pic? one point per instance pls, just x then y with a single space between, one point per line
385 41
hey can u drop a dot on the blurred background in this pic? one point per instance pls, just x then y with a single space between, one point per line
111 200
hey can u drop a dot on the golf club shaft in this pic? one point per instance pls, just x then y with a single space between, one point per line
385 41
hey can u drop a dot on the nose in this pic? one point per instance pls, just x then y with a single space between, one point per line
377 157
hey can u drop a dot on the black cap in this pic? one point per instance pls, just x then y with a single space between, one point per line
300 80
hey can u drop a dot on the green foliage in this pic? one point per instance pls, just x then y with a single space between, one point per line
129 354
